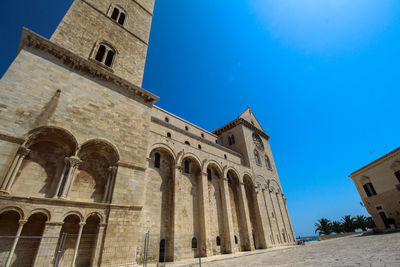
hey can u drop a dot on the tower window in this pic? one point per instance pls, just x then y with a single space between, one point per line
105 54
267 162
186 166
233 139
157 160
229 141
118 15
257 157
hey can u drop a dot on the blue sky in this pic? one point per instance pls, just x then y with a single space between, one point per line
322 76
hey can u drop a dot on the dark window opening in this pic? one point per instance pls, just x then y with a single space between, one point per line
216 141
187 143
268 162
115 14
166 119
229 179
186 128
379 207
162 251
109 58
157 160
100 53
209 174
218 241
202 135
273 215
233 139
169 135
225 156
229 141
199 146
369 189
121 19
236 240
384 219
257 157
187 166
397 175
194 242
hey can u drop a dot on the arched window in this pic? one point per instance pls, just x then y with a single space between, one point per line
118 15
257 157
267 162
199 146
186 128
229 141
229 178
218 241
105 55
187 166
194 242
236 240
157 160
166 119
397 174
187 143
169 135
233 139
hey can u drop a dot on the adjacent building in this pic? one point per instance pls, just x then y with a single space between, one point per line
89 163
378 184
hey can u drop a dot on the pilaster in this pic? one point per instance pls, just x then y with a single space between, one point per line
229 236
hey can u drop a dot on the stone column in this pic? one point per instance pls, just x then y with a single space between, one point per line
229 236
60 182
97 248
12 172
174 244
275 215
110 184
290 222
73 167
48 244
78 241
260 220
278 199
206 246
244 212
264 192
14 245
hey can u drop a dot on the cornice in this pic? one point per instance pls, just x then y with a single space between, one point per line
71 60
376 162
237 122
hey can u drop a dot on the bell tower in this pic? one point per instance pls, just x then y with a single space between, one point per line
111 33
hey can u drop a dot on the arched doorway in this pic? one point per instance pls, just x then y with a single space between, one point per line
71 229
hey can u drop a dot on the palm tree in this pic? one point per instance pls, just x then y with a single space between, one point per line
323 226
336 227
361 222
348 224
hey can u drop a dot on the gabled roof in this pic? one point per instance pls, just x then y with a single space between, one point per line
248 119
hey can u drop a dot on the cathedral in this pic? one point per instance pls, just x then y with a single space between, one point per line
99 175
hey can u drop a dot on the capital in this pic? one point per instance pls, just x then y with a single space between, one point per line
22 222
23 151
112 169
81 224
73 161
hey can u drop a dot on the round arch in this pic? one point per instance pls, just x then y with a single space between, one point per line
190 156
273 184
161 146
107 149
213 164
95 214
43 211
16 209
76 213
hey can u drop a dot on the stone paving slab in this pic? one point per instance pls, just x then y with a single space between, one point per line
353 251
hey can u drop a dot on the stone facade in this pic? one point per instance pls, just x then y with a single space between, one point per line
378 184
88 159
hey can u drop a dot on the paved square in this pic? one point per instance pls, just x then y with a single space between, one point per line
376 250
